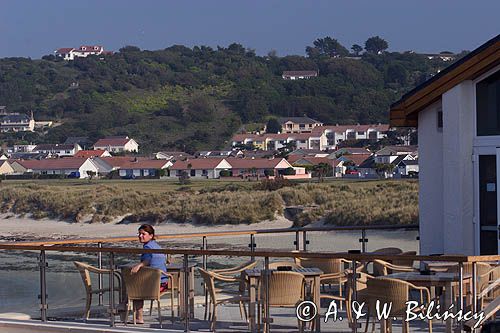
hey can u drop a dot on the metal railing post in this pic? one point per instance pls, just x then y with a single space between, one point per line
354 294
474 287
266 286
111 289
305 242
460 290
297 240
204 247
43 285
186 293
252 246
99 277
363 240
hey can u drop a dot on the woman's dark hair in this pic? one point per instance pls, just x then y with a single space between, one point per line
148 228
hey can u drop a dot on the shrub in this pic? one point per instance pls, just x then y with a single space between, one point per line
269 172
289 171
226 173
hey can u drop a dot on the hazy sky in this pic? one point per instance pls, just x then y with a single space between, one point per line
32 28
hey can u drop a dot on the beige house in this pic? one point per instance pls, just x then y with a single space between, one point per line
5 168
298 124
117 144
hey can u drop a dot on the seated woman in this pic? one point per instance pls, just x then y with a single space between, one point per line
156 260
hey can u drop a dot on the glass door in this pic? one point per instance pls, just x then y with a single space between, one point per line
489 200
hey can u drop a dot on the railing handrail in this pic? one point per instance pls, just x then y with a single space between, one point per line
270 253
222 234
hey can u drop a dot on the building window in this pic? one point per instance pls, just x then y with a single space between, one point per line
440 119
204 172
361 133
193 172
488 105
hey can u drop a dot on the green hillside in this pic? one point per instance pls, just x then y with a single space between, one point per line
197 98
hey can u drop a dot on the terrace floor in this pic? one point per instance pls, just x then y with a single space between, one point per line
229 320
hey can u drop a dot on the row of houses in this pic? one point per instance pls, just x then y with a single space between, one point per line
317 137
141 167
118 144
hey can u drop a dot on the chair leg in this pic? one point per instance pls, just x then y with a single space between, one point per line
86 315
127 312
406 326
214 316
340 294
430 326
172 304
151 308
206 304
134 312
159 312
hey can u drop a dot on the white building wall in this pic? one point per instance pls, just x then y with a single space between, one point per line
458 203
430 200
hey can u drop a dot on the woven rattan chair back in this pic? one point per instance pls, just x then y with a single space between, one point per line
387 291
285 288
143 285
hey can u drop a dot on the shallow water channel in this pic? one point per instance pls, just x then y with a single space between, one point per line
20 279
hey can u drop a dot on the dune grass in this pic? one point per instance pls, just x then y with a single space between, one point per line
212 202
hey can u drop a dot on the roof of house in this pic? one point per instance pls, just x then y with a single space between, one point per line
90 153
174 154
112 141
369 163
300 73
197 163
307 160
305 152
258 163
356 128
398 159
357 159
56 146
353 150
120 161
15 117
65 50
298 120
145 164
404 112
410 162
53 163
400 149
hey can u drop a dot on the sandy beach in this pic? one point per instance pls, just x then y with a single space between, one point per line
16 228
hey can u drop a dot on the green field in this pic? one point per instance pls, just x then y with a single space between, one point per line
338 202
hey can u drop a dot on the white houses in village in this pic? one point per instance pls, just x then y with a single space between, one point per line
457 113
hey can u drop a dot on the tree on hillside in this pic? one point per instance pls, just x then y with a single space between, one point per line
327 46
356 49
273 126
376 45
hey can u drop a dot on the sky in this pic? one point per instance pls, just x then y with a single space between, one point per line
33 28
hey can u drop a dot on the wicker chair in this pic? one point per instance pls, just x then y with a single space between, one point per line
382 268
488 286
85 271
286 289
333 273
209 279
361 285
276 264
145 285
392 291
405 262
234 272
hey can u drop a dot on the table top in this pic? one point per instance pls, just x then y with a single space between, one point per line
308 272
417 277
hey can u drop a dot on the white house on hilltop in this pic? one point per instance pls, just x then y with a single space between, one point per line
70 53
457 113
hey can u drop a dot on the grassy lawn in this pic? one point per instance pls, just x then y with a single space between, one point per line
339 202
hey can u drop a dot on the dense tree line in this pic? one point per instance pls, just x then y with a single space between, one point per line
193 98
